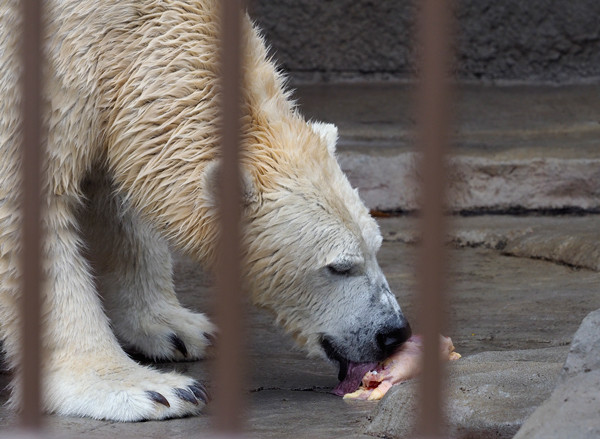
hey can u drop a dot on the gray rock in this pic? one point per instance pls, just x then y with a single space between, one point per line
584 355
573 410
489 395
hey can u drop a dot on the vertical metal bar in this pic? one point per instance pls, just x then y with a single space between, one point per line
31 234
228 402
433 129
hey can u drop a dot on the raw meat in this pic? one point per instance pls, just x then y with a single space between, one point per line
400 366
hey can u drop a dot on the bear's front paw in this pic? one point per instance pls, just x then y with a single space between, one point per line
121 391
173 333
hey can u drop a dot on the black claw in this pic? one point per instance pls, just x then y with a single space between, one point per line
157 397
186 395
199 391
179 344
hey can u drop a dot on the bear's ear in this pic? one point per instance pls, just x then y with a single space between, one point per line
328 132
211 184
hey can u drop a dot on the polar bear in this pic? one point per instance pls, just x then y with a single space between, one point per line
131 98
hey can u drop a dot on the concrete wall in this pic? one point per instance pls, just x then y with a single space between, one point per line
516 40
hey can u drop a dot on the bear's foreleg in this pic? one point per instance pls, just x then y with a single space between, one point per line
134 269
86 373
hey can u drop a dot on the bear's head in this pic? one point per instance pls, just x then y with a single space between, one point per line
311 248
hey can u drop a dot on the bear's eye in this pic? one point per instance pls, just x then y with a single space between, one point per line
342 268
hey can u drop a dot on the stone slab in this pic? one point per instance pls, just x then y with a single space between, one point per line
392 182
572 240
488 396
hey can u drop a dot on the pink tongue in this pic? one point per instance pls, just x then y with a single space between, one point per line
356 371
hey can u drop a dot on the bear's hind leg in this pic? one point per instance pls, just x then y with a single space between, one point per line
134 269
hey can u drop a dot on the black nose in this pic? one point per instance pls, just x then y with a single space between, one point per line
389 340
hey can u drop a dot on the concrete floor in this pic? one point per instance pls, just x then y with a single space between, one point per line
505 295
511 121
499 303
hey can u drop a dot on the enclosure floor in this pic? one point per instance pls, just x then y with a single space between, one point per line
514 284
498 303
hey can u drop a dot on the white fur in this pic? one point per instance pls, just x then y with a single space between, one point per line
135 279
328 132
131 93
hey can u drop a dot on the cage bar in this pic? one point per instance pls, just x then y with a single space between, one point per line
31 232
433 128
229 373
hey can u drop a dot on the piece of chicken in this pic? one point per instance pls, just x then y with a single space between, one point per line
401 366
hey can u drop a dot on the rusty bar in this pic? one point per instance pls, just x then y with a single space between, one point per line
433 129
31 210
229 404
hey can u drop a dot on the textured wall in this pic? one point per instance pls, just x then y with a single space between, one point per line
530 40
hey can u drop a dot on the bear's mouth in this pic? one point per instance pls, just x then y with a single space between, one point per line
333 354
350 373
